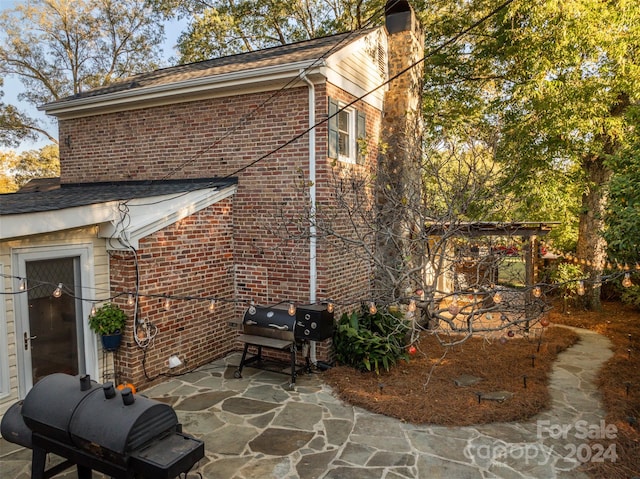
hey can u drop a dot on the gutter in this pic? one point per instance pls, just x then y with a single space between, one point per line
313 241
164 92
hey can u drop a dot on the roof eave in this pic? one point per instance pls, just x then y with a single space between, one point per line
146 218
144 215
261 78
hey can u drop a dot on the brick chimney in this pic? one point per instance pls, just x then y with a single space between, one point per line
398 191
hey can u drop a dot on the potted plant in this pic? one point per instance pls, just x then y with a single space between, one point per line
108 321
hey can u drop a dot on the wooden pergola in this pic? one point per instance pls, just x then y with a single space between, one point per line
529 231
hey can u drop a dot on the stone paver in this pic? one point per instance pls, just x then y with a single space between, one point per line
255 427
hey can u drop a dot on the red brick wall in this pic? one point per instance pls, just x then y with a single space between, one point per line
268 259
191 258
203 138
345 269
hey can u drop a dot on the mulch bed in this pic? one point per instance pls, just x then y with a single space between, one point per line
423 390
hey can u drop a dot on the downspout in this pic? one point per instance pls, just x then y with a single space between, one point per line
313 269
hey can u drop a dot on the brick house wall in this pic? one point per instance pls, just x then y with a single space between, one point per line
193 257
266 242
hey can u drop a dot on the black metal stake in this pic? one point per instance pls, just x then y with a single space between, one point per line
628 387
629 353
524 381
540 339
533 360
479 397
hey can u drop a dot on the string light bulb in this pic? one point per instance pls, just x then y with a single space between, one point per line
497 297
130 299
23 284
212 305
412 305
58 291
93 309
292 309
454 308
537 292
372 308
580 290
330 307
626 282
167 303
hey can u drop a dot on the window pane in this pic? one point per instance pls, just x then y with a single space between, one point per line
343 144
343 121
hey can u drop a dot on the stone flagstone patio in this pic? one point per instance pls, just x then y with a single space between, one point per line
255 427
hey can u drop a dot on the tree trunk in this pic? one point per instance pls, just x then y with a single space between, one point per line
592 248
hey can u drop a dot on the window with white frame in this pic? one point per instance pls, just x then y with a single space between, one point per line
347 132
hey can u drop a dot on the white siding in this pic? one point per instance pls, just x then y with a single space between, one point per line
362 67
99 288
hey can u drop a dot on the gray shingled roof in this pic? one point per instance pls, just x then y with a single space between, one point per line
73 195
316 48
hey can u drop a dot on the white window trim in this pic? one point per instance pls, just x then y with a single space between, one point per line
351 131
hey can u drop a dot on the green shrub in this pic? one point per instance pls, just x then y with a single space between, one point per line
567 278
107 319
631 295
369 342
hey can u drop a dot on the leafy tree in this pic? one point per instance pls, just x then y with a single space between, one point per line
25 166
623 214
12 124
220 28
59 48
550 83
7 183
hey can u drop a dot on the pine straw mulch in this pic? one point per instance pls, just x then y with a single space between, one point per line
423 391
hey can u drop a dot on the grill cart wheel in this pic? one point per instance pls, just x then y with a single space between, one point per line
237 374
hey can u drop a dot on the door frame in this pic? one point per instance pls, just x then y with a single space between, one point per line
5 383
84 253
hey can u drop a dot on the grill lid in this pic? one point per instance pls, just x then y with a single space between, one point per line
273 321
109 424
113 427
52 401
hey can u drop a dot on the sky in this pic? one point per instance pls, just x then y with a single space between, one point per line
12 86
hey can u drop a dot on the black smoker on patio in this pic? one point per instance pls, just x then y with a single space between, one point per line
98 427
275 327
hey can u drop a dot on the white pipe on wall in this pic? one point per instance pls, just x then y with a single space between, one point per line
313 270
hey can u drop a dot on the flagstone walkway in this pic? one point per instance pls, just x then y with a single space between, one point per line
255 427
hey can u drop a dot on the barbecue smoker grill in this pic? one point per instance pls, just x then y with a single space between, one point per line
97 427
274 328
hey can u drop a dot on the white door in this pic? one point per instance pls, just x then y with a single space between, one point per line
51 328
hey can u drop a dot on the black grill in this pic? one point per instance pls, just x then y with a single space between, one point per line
98 427
275 328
